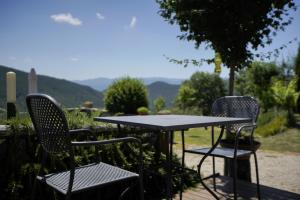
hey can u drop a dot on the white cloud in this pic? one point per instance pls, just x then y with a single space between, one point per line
12 58
99 16
133 22
66 18
74 59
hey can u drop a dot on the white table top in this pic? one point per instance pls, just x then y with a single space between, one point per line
171 122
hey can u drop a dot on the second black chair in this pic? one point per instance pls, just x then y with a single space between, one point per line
232 106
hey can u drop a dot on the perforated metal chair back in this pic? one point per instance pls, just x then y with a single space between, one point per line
49 122
236 106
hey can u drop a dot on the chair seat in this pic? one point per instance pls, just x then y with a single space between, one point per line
220 152
87 177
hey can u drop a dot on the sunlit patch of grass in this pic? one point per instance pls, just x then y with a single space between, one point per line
197 136
287 141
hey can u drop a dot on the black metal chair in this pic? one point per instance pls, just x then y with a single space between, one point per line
231 106
51 126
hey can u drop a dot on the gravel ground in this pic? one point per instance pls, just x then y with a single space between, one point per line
278 170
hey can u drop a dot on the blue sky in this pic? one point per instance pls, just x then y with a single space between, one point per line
82 39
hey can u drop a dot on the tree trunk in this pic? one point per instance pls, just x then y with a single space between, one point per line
231 81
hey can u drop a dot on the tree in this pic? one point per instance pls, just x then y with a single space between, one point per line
297 73
257 81
200 91
231 27
286 96
159 103
126 95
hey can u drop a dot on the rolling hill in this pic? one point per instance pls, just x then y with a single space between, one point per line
102 83
68 93
168 91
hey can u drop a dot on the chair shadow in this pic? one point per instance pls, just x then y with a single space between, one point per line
248 191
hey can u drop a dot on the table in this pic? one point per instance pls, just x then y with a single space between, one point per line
170 123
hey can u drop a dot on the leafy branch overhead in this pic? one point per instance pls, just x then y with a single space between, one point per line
234 28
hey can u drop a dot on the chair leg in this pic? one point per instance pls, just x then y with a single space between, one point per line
182 165
33 190
213 158
141 188
131 186
68 196
257 176
234 178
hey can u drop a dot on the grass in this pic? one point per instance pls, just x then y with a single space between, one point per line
287 141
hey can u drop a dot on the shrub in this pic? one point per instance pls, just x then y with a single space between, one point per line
159 103
275 126
20 156
143 111
200 91
266 117
126 95
165 112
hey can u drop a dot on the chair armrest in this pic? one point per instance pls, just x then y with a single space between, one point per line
110 141
253 126
82 131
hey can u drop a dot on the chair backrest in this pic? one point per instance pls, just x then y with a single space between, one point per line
49 122
236 106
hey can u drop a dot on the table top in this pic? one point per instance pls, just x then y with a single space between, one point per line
171 122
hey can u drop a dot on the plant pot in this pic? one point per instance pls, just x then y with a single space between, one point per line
242 144
243 163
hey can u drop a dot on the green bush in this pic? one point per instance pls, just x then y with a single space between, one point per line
199 92
266 117
126 95
165 112
273 127
143 111
20 156
159 103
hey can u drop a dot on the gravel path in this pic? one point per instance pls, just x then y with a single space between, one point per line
278 170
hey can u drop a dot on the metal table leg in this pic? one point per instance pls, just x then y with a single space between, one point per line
169 155
202 160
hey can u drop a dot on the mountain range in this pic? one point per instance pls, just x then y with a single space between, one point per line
102 83
73 94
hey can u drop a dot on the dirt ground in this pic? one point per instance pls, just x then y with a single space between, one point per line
278 170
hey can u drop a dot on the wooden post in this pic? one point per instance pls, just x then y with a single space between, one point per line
11 94
32 81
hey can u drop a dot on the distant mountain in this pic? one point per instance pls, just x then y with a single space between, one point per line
168 91
68 93
101 84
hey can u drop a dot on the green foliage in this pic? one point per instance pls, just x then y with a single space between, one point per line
20 157
285 94
126 95
164 112
297 73
162 89
257 81
287 141
200 91
143 111
275 126
159 103
231 28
